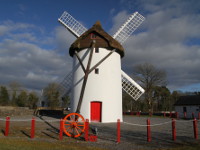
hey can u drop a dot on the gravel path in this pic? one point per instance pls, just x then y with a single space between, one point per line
133 132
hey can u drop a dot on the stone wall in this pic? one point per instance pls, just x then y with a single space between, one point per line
15 111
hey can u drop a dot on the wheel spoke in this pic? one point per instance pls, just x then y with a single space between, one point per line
73 132
68 121
80 124
79 128
68 128
76 119
71 118
77 131
67 124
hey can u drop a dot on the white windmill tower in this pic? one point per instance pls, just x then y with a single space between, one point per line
97 79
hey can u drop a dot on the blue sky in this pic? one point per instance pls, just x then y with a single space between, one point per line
34 46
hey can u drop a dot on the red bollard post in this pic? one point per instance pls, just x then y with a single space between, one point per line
32 128
184 115
118 131
193 115
148 131
173 130
199 116
170 114
87 130
164 114
195 128
176 115
61 129
7 126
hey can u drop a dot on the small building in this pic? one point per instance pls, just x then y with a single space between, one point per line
188 105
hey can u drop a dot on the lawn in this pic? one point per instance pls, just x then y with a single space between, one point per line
28 144
42 144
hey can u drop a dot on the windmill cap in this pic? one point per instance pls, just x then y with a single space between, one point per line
102 38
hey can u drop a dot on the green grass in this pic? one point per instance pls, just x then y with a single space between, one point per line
9 143
28 144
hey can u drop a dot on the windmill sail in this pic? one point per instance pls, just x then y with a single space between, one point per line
65 85
75 27
128 27
131 87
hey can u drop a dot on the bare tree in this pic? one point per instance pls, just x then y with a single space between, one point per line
51 94
149 76
15 89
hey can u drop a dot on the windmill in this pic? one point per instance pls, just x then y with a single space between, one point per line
96 80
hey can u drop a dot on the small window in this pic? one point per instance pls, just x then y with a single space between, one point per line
96 50
93 36
184 109
96 71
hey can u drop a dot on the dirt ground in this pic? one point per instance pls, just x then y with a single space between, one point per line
133 132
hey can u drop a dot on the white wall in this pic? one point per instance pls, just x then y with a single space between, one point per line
104 87
190 110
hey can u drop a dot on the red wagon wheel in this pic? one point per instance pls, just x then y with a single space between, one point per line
74 125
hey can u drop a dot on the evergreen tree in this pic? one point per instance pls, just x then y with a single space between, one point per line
65 101
32 100
22 99
51 95
15 88
4 96
162 99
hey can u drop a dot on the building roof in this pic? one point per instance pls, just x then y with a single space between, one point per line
103 40
188 100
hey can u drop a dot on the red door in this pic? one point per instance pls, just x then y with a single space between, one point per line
96 111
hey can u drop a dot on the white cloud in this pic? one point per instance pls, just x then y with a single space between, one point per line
63 39
163 41
23 59
118 20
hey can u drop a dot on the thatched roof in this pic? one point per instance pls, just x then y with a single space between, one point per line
103 40
188 100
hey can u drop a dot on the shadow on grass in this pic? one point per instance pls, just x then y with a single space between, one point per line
49 135
3 132
23 132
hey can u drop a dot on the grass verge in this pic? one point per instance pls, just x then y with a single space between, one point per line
36 144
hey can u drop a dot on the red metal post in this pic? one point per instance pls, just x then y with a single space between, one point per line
118 131
199 115
164 114
7 126
176 115
61 129
193 115
195 128
87 130
32 128
148 131
185 115
173 130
